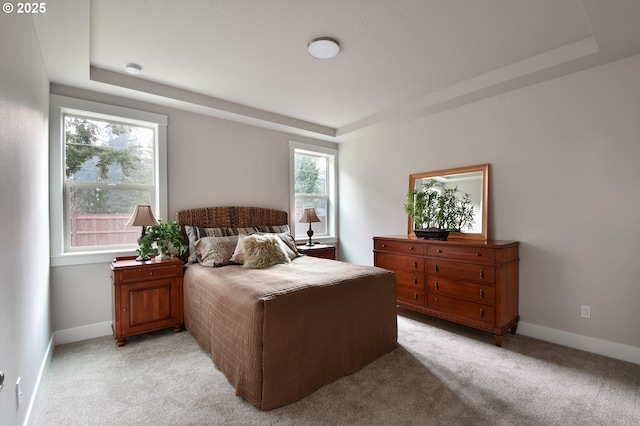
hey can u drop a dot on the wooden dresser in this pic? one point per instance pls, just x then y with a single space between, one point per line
468 282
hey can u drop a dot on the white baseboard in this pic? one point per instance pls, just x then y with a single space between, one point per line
43 366
585 343
577 341
82 333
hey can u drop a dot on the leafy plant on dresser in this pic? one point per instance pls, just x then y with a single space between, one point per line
165 238
436 207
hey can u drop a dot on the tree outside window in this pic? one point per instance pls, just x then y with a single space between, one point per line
109 169
311 190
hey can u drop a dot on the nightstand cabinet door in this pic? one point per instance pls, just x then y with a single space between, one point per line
147 296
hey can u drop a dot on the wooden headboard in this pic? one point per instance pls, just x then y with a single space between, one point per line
229 216
233 216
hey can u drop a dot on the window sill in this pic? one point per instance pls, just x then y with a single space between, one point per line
70 259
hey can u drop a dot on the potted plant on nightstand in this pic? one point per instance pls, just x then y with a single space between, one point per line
436 210
161 240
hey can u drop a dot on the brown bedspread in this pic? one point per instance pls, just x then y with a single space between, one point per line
283 332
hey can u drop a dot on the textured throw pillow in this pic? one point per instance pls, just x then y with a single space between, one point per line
263 250
238 254
192 237
195 233
215 251
290 245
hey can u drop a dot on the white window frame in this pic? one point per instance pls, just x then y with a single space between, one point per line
332 189
59 105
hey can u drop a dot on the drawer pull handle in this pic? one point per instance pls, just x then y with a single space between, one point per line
384 245
124 309
438 251
415 280
481 294
411 248
478 254
415 265
436 299
481 274
481 313
436 285
435 268
415 296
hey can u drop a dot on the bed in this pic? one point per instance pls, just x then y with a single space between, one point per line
281 332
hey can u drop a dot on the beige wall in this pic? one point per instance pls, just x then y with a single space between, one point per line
564 182
25 324
564 174
211 162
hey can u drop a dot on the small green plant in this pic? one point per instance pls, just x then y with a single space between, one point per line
162 239
435 207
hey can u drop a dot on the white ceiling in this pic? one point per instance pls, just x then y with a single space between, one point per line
246 60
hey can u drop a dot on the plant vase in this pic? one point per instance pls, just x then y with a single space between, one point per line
432 233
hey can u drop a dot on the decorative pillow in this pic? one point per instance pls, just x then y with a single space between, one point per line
263 250
241 231
195 233
238 254
276 229
290 245
215 251
191 236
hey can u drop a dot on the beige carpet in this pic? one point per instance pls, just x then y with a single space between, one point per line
441 374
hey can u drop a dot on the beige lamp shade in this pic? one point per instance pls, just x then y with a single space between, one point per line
142 216
309 216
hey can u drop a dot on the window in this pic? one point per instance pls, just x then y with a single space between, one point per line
313 184
105 161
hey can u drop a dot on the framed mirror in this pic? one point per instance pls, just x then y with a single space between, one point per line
472 181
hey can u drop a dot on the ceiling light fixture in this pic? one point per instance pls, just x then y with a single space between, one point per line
323 48
132 68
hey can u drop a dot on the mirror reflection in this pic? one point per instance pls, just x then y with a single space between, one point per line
471 182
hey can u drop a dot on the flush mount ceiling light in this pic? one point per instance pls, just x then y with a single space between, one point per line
132 68
323 48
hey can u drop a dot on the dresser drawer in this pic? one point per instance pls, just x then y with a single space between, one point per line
397 262
409 279
465 254
409 295
133 274
462 290
399 247
463 271
462 308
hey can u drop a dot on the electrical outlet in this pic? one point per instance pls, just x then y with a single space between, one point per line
585 311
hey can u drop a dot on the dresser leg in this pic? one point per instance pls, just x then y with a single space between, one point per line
121 342
513 329
498 339
177 328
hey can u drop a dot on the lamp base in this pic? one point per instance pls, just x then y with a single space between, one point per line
310 234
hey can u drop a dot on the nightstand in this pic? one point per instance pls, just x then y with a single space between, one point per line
147 296
325 251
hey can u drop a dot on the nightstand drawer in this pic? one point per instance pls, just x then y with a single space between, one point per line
323 251
135 274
